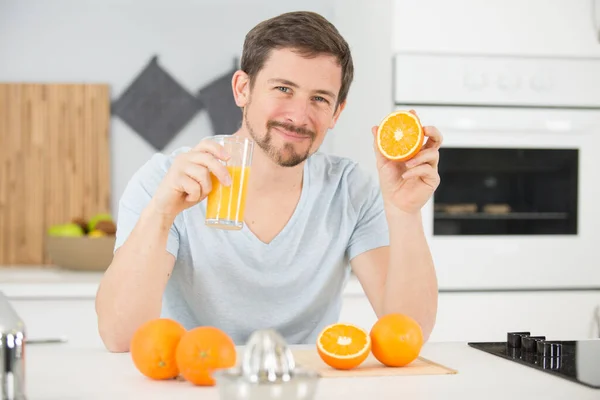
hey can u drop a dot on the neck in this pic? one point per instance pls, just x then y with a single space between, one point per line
268 176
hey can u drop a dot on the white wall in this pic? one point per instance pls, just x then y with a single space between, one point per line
112 40
367 26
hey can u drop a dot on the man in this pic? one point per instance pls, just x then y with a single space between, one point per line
307 214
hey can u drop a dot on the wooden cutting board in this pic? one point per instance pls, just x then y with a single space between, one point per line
309 358
54 162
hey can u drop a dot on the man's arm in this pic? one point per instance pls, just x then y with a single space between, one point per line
131 290
401 278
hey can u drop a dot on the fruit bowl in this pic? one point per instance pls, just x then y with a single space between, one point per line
84 245
81 253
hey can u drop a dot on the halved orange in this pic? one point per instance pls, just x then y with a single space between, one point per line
400 136
343 346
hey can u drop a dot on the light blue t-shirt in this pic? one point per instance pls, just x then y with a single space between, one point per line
234 281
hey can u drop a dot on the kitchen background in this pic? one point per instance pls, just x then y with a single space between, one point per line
497 272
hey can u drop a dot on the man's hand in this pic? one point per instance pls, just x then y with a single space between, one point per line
407 186
188 181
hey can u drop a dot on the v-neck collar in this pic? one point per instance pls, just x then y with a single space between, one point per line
295 215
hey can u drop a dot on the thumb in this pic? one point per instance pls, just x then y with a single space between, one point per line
379 158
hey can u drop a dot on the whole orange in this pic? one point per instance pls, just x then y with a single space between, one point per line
153 347
201 351
396 340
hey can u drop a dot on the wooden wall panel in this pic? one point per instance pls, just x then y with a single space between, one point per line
54 162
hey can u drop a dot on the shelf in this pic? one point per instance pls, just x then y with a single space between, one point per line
512 215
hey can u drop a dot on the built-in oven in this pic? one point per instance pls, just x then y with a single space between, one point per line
518 206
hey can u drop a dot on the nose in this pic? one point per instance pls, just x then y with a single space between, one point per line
298 112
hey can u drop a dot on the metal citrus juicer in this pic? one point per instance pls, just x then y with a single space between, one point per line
268 371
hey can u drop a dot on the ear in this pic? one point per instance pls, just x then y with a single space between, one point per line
240 84
336 114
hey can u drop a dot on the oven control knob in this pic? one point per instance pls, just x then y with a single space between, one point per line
549 349
529 343
552 363
513 339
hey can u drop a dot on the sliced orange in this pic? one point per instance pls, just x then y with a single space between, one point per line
400 136
343 346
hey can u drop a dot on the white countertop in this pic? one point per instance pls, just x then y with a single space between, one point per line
60 372
36 282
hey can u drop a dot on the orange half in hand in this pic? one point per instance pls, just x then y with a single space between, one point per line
400 136
343 346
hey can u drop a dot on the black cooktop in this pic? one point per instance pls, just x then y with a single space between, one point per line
575 360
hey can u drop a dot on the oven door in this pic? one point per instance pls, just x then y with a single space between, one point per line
518 206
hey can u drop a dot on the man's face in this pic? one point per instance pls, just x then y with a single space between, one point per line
292 105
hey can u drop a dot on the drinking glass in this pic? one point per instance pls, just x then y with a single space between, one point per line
226 204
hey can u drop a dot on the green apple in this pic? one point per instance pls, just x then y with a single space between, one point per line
71 230
97 218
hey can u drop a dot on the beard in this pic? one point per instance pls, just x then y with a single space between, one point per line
286 156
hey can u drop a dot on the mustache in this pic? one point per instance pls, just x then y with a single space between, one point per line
291 128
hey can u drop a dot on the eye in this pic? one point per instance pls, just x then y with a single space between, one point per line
283 89
321 99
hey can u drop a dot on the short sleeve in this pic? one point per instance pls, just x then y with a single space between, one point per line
371 229
138 193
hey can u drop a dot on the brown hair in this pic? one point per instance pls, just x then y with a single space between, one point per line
308 33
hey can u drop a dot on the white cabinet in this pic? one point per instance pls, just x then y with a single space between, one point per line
54 302
53 307
488 316
533 27
357 310
74 319
461 316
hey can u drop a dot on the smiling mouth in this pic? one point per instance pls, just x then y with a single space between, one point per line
292 134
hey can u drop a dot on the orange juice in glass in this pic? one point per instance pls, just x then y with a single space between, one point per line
225 205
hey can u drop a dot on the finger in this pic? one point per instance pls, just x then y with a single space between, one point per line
207 161
427 156
379 158
192 189
423 171
199 174
212 147
434 137
374 131
413 112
